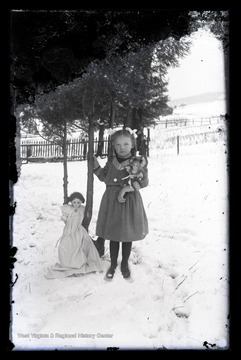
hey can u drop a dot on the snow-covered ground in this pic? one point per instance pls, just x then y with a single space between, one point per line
178 296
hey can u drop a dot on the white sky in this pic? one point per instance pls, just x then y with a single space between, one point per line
201 71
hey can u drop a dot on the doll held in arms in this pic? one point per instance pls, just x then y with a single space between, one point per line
136 170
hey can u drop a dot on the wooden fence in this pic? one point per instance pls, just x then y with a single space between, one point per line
76 150
198 121
50 151
199 138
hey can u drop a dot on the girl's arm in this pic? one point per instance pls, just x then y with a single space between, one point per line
143 180
136 185
99 171
141 183
125 189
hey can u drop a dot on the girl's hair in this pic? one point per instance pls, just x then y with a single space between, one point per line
76 195
123 132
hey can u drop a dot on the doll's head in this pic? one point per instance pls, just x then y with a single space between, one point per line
137 165
76 199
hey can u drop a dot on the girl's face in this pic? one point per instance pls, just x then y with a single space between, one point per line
76 203
123 145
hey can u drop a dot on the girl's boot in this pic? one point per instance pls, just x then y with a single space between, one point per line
126 250
114 250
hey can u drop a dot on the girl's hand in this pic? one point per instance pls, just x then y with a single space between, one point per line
96 162
121 194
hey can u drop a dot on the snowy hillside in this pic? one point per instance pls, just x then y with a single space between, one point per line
201 109
207 104
178 296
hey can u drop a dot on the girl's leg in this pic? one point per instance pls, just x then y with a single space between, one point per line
100 242
126 250
114 251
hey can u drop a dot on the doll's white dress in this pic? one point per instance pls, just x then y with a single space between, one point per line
76 251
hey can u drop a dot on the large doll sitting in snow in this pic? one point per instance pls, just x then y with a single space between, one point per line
77 253
136 170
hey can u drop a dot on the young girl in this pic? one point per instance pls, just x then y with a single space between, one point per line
122 216
77 252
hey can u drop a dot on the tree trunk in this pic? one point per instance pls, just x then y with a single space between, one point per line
138 121
112 113
100 140
90 177
135 119
128 122
65 179
111 125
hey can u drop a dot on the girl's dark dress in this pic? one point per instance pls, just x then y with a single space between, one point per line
117 221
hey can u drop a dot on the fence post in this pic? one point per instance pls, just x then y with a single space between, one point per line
177 144
29 151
